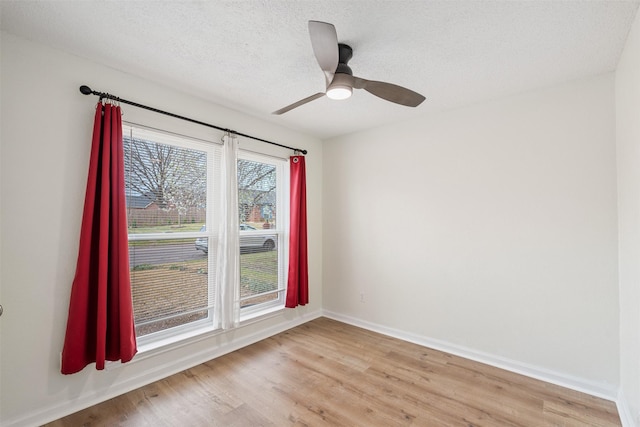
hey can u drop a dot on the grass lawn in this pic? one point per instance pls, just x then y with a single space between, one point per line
169 289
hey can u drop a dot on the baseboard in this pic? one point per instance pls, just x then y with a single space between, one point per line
63 409
624 411
605 391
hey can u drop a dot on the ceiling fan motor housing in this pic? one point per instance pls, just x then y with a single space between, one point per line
345 53
343 77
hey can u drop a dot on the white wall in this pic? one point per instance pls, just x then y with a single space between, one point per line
490 229
628 141
46 134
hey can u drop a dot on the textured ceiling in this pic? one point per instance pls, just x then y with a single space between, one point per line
255 55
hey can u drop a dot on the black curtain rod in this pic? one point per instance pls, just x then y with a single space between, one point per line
86 90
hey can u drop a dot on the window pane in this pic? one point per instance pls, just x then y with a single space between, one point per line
257 194
169 284
260 262
166 187
167 182
258 275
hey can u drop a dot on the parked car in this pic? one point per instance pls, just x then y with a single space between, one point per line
266 242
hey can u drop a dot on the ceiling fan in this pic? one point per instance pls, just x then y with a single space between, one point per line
333 58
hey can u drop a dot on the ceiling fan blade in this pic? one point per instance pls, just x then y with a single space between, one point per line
390 92
324 41
299 103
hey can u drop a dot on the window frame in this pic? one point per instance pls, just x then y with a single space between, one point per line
176 334
213 151
281 230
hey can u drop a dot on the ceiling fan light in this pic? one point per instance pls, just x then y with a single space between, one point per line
341 86
339 92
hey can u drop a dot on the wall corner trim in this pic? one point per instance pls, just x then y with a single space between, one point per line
624 411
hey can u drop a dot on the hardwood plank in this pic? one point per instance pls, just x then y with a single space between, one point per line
327 373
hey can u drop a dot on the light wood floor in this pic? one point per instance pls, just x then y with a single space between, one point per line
327 373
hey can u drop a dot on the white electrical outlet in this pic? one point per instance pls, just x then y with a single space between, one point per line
361 296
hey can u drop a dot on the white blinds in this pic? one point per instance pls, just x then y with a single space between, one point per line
172 190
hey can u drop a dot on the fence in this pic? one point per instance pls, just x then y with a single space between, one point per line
153 216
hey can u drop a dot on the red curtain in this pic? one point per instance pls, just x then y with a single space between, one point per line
100 324
298 281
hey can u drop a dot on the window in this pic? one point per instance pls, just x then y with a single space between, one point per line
260 201
173 192
170 184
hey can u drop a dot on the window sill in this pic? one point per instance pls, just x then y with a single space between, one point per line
260 315
178 340
167 344
191 337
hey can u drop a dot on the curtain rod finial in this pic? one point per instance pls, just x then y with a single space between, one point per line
86 90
